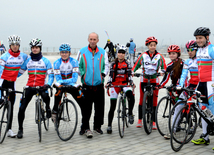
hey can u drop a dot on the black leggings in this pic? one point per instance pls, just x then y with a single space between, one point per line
131 101
11 85
24 103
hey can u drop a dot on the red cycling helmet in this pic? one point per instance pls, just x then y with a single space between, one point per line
151 39
174 48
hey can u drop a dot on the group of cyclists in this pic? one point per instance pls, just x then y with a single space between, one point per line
66 69
113 50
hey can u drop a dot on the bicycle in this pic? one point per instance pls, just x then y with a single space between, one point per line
67 116
147 109
5 112
181 103
162 113
40 112
185 123
110 56
122 111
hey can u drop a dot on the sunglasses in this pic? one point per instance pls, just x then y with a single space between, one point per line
64 52
17 44
123 52
190 49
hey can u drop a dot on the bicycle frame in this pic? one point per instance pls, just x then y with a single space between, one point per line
194 103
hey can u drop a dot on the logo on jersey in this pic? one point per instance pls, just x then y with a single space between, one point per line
75 69
212 85
56 71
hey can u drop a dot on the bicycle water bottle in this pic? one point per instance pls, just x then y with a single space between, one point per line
207 112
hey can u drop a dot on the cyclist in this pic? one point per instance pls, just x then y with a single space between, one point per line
151 61
110 46
2 48
38 68
120 74
10 62
191 66
205 57
66 71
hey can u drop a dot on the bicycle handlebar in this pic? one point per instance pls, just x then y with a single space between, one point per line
120 86
40 88
146 75
9 90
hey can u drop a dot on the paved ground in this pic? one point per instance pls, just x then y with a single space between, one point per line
135 141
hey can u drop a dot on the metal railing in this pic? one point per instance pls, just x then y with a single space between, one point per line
49 50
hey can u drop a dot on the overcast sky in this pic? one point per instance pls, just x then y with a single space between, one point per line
58 21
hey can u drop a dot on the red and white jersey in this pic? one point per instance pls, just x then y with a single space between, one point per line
205 60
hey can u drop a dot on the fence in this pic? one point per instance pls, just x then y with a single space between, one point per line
49 50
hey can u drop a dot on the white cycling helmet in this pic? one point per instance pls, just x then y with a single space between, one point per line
35 42
122 48
13 39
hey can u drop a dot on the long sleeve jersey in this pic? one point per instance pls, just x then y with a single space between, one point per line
205 60
66 72
10 65
123 74
169 73
191 66
150 65
37 71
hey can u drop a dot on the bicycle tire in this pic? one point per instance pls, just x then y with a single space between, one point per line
193 126
147 113
66 121
199 122
45 119
180 129
126 110
121 118
193 122
162 115
5 117
39 116
171 115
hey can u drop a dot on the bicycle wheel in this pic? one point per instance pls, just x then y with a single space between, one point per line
66 120
126 110
180 129
121 118
174 109
147 113
44 118
199 122
193 124
5 112
162 115
39 119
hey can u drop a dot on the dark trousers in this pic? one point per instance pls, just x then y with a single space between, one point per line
24 103
11 85
93 94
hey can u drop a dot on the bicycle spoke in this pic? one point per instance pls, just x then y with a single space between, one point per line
66 120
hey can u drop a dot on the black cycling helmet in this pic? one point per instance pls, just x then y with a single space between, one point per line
202 31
